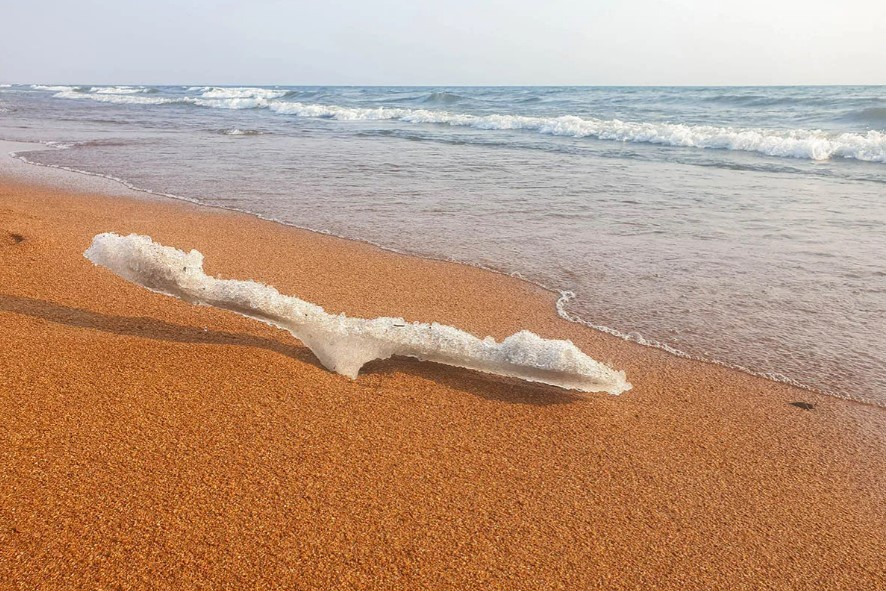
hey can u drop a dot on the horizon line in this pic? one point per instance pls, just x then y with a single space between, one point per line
340 85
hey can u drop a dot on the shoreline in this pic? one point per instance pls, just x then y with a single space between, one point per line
111 185
214 450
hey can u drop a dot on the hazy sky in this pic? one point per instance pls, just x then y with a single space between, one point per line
443 42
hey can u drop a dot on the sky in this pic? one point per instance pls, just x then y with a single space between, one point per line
447 42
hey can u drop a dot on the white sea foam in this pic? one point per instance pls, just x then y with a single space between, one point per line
345 344
869 146
232 103
119 89
351 113
237 98
124 99
52 88
218 92
797 143
136 99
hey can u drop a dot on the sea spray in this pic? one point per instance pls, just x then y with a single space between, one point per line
344 344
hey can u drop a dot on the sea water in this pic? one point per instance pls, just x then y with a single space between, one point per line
745 226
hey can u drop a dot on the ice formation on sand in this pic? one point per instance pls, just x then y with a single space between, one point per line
345 344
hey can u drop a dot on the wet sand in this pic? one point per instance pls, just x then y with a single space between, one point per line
145 442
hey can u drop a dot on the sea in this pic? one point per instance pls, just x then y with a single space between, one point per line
737 225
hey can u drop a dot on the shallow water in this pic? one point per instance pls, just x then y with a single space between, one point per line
742 225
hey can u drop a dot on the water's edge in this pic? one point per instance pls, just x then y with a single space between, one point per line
563 296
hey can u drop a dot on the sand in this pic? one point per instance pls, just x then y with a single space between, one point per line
145 442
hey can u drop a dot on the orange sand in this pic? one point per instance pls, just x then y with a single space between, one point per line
145 442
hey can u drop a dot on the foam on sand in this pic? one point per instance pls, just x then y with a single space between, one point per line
344 344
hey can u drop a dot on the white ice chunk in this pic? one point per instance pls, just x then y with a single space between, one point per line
345 344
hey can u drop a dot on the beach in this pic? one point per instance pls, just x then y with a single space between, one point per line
747 231
146 442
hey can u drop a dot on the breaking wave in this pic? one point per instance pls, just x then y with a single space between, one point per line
234 103
123 98
221 92
220 97
798 143
53 88
120 89
810 144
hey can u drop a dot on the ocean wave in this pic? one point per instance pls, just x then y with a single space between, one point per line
120 98
124 99
342 113
218 92
806 144
230 103
120 89
796 143
749 100
873 115
53 88
793 99
218 97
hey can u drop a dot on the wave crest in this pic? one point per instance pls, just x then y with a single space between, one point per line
123 99
52 88
220 92
120 89
797 143
793 143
